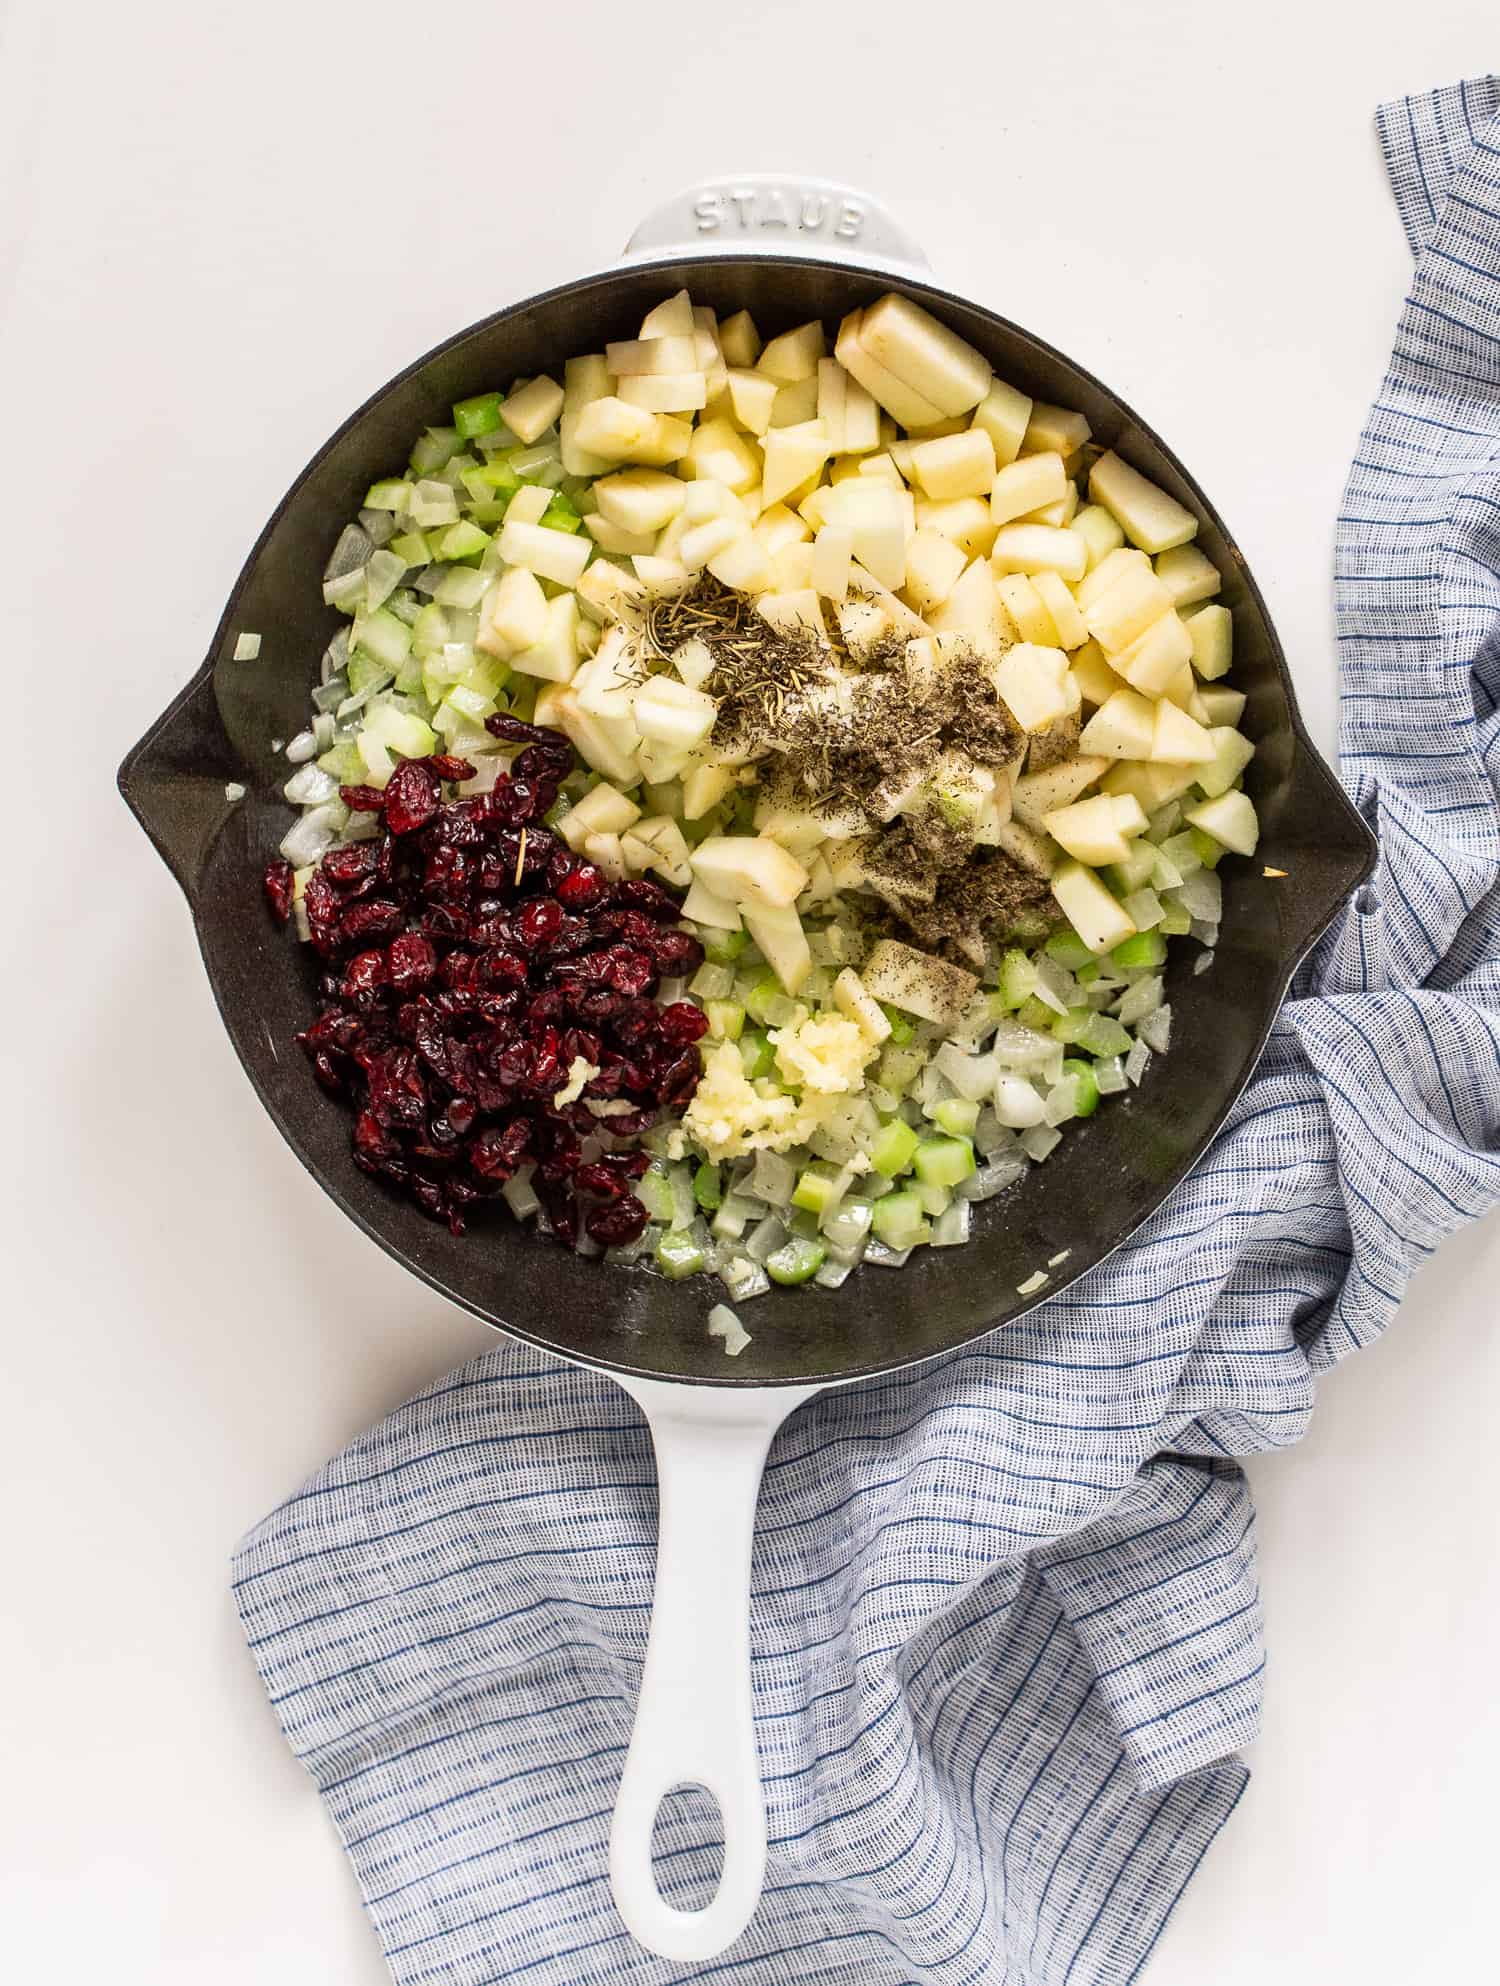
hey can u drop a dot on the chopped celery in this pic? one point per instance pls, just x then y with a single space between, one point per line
756 1053
711 982
413 548
1102 1035
1068 949
814 1190
392 494
798 1261
898 1221
1069 1026
366 673
680 1254
1085 1086
1175 921
1146 948
943 1161
654 1191
477 415
901 1027
758 1000
934 1200
1035 1013
722 947
726 1019
706 1188
1017 978
434 450
957 1115
899 1068
462 541
894 1148
560 515
1209 851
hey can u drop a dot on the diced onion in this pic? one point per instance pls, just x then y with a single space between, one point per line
302 748
722 1323
247 647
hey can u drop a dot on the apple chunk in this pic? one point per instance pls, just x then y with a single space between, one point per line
749 869
1149 517
779 934
1094 914
911 344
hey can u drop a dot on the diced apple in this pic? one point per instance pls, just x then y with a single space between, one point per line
1004 414
705 541
604 809
556 555
918 983
515 614
861 419
1230 818
742 565
1123 727
833 549
912 345
1037 793
1148 516
1054 430
528 505
966 520
660 578
663 765
791 569
693 660
957 465
1156 658
640 499
703 787
1099 531
794 355
531 411
1115 564
615 539
708 497
555 655
1212 632
1232 753
972 609
719 453
791 456
1027 609
796 404
832 383
605 852
1056 514
628 356
782 941
752 396
875 515
1029 680
667 440
1152 785
585 380
607 593
853 999
1177 740
607 684
1025 485
1221 705
881 464
1122 613
1038 548
739 340
794 612
1032 850
1088 831
1096 680
1188 575
1182 689
610 430
608 744
902 401
671 319
706 906
1063 609
1093 912
933 565
778 527
749 869
863 625
672 712
667 849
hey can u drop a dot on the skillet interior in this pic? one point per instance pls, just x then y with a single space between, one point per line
1105 1178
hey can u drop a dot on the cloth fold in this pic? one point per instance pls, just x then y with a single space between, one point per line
1007 1627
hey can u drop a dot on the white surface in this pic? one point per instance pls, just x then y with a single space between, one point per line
219 228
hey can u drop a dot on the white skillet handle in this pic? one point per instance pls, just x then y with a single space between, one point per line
694 1724
775 213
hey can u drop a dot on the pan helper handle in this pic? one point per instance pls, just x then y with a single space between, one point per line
694 1724
776 213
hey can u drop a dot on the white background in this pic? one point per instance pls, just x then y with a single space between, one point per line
220 227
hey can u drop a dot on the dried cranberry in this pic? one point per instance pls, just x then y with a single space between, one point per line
279 883
549 762
503 725
366 972
582 887
362 799
412 962
638 894
448 766
461 1114
630 972
412 796
377 918
495 1154
344 867
538 923
371 1136
457 969
682 1022
598 1179
676 951
327 1072
616 1222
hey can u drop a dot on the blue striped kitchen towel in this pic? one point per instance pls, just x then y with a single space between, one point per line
1007 1629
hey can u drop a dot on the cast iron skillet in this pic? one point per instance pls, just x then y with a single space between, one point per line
1107 1176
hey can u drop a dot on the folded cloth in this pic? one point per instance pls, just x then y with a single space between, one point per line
1007 1630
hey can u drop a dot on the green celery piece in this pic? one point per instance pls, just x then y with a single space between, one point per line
561 516
1018 978
899 1068
893 1150
721 947
1086 1090
707 1190
392 494
1146 948
463 540
1103 1035
434 450
1175 921
957 1115
344 764
480 414
814 1190
898 1220
933 1200
798 1261
1034 1013
413 547
409 676
766 989
1210 852
654 1191
726 1019
901 1027
1087 974
943 1161
679 1255
1068 949
756 1053
1067 1027
365 671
